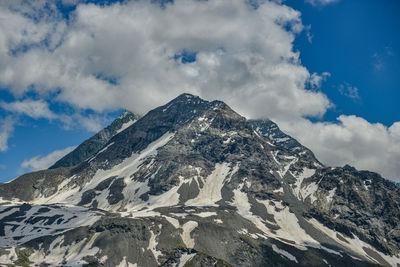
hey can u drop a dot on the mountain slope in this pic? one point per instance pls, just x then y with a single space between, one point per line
96 142
271 130
192 183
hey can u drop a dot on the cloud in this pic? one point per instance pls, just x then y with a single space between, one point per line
321 2
309 35
89 122
37 109
43 162
32 108
380 58
123 56
316 80
6 131
349 91
352 140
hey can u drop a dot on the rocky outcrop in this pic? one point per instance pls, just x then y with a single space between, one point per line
91 146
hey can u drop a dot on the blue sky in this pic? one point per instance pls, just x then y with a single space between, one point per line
326 71
358 42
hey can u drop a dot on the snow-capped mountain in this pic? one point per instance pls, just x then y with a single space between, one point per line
193 183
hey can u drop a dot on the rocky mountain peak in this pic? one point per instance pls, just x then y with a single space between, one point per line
187 107
193 183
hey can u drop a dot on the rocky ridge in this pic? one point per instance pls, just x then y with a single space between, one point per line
91 146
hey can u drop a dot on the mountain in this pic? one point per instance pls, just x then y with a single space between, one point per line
96 142
193 183
270 130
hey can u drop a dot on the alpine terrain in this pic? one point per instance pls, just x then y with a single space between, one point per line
193 183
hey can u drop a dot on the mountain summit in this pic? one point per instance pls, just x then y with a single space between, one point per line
193 183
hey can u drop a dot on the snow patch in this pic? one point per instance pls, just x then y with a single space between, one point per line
289 225
299 180
186 257
280 190
6 213
125 125
10 257
206 214
218 221
227 141
68 194
330 195
354 244
284 253
211 190
126 263
244 231
310 191
37 224
172 221
105 148
70 255
153 246
283 166
241 202
167 199
187 229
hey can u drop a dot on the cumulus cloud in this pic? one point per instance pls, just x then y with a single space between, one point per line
40 162
6 130
32 108
123 55
352 140
37 109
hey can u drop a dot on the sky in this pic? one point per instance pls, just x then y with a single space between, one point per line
327 71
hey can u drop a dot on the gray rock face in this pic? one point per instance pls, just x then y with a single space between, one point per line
367 205
30 185
271 130
96 142
193 183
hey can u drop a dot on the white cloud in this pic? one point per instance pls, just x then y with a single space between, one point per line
309 35
353 140
244 56
32 108
316 80
321 2
40 162
37 109
380 58
348 90
91 122
6 130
